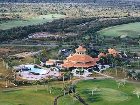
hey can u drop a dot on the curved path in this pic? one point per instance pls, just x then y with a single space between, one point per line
74 82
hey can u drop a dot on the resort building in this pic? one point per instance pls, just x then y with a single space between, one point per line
113 52
80 59
110 51
50 63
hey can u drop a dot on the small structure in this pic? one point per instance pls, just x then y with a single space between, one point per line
80 59
113 52
50 63
110 51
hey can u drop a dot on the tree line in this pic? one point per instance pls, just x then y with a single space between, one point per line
79 25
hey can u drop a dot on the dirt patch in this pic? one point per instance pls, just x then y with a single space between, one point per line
6 51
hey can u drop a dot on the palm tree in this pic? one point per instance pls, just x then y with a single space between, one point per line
49 85
137 92
36 84
3 62
6 83
63 80
13 79
121 82
93 90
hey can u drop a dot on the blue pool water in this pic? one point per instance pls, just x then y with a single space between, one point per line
31 68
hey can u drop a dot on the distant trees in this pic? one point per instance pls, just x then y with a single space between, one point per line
52 27
79 25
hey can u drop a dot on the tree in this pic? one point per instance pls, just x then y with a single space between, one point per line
137 92
35 82
49 85
121 82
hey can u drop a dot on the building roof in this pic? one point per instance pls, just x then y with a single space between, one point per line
85 65
112 51
80 59
80 49
50 62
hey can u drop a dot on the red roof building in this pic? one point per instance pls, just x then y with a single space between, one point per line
110 51
79 59
113 52
50 62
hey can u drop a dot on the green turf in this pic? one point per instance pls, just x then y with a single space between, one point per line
29 95
131 29
108 94
68 100
30 21
26 97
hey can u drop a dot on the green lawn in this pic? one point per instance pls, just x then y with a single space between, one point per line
26 97
131 29
29 95
30 21
68 100
108 94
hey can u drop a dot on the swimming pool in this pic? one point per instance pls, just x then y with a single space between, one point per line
30 72
37 70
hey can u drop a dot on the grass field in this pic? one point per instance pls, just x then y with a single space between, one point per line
26 97
68 100
26 60
108 94
29 95
131 29
30 21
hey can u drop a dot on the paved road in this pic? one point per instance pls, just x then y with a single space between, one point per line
39 45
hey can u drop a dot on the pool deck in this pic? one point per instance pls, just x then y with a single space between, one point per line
44 73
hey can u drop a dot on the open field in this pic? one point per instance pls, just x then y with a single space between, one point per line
28 96
131 29
68 100
108 94
30 21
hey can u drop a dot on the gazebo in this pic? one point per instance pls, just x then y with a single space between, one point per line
80 59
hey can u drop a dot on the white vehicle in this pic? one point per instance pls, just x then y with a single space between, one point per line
81 73
103 67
